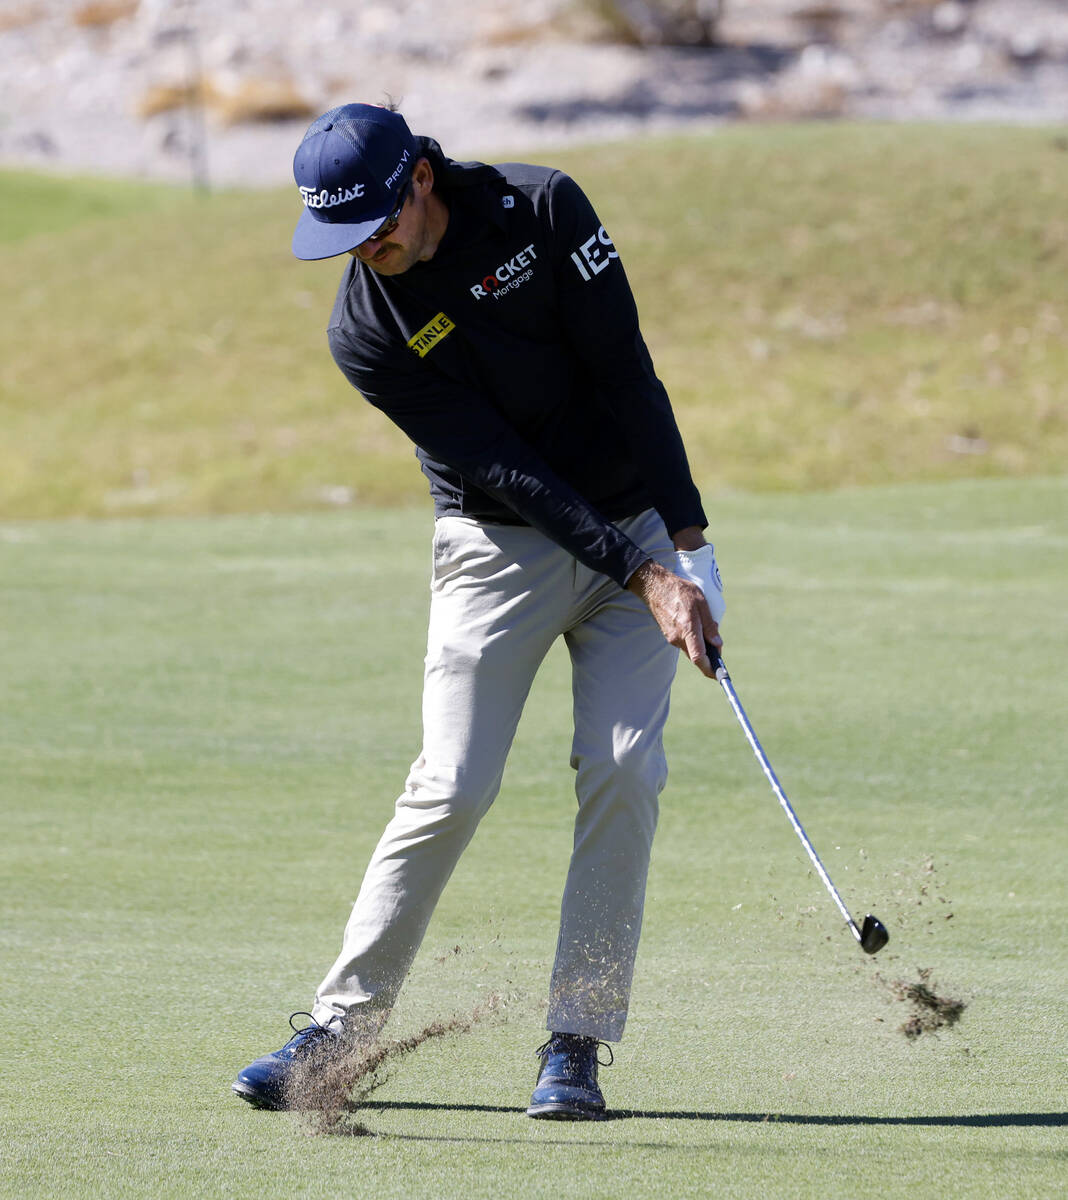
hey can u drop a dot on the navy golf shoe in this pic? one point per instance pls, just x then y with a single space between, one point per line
263 1083
567 1081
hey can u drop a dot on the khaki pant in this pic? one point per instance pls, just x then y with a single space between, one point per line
500 596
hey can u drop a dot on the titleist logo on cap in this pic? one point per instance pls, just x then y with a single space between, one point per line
350 168
325 199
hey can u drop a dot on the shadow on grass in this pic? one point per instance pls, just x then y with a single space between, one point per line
973 1120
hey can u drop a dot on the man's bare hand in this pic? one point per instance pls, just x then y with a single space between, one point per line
681 611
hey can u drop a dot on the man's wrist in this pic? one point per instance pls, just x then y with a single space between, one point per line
640 577
690 538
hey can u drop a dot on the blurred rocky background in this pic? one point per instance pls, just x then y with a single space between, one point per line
220 92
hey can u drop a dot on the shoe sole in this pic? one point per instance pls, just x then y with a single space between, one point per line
256 1099
564 1112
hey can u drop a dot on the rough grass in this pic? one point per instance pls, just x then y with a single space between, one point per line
205 724
828 305
46 205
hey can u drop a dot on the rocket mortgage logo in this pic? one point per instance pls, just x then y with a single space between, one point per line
508 276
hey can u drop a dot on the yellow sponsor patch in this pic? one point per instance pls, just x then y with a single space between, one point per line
428 337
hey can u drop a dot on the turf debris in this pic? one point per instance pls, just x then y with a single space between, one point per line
930 1011
335 1080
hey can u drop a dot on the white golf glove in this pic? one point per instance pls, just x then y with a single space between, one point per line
699 566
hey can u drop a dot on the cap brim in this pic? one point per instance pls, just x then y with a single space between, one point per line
322 239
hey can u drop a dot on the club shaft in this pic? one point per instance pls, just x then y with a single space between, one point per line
776 787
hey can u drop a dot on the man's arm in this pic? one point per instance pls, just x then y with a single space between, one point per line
434 415
600 320
458 427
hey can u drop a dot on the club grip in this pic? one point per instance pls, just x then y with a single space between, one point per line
716 659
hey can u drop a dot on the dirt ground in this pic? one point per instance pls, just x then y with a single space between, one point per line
102 86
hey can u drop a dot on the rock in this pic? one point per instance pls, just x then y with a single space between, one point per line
949 18
38 142
1026 46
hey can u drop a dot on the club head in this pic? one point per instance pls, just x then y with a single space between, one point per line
873 935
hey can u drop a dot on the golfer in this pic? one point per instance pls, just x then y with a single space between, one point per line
485 311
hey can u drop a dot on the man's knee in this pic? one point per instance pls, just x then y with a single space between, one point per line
442 799
632 765
619 792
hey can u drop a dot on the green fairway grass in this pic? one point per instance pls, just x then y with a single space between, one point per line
205 723
827 305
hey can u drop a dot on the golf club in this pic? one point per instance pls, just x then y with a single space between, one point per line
872 936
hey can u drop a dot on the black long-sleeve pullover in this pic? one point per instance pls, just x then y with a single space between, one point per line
514 362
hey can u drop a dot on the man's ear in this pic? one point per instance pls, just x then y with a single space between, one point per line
423 177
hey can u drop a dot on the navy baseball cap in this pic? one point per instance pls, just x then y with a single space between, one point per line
351 166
